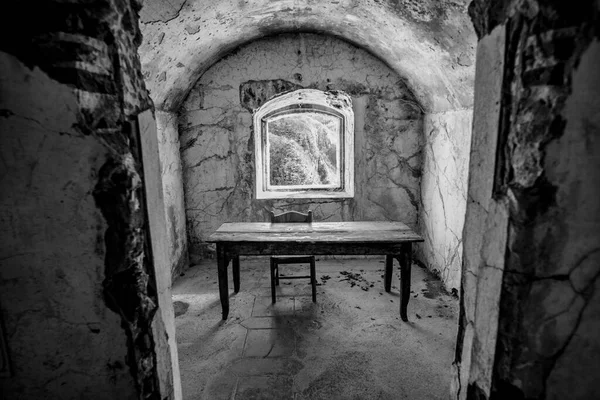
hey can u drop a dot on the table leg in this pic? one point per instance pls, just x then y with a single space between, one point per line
405 267
273 296
236 274
222 263
389 266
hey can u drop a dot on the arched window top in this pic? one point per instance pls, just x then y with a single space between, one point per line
304 146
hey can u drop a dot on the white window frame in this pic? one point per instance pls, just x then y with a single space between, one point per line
337 104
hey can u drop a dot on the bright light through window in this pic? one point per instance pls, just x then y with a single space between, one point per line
304 146
304 150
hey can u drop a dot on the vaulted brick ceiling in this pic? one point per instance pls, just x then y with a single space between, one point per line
431 43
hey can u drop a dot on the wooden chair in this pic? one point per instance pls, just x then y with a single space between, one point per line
276 261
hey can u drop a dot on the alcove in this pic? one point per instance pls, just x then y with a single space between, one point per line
218 151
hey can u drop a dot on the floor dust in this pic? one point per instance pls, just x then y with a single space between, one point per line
347 376
434 286
350 344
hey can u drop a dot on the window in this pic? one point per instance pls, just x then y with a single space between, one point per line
304 143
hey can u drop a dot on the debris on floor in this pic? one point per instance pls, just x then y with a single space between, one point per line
356 279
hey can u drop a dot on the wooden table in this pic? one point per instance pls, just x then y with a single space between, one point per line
392 239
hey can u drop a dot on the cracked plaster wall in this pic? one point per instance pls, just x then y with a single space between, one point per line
161 228
444 193
216 134
172 189
530 310
63 341
428 42
77 287
483 248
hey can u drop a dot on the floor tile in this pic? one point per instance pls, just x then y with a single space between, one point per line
264 366
221 388
269 343
265 388
266 322
263 307
305 305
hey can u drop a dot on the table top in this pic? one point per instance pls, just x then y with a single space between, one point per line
315 232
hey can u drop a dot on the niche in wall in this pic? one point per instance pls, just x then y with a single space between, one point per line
217 134
304 146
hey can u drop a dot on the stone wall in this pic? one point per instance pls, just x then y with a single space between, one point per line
78 291
444 193
217 142
62 338
530 306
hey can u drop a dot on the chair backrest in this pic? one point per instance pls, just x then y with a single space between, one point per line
291 216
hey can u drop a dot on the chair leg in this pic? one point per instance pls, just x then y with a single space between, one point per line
277 274
273 298
313 280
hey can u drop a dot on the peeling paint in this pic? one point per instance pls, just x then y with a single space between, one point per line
127 283
76 77
253 94
421 40
536 121
544 177
162 12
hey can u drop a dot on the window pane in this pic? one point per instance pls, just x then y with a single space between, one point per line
304 150
304 146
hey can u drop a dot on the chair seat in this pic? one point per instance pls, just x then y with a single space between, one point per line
292 216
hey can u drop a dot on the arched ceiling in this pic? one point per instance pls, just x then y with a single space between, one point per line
431 43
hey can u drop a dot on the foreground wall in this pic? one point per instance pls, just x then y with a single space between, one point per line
444 193
59 330
171 175
78 291
217 142
530 304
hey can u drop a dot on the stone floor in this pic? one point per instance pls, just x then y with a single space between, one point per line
351 344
